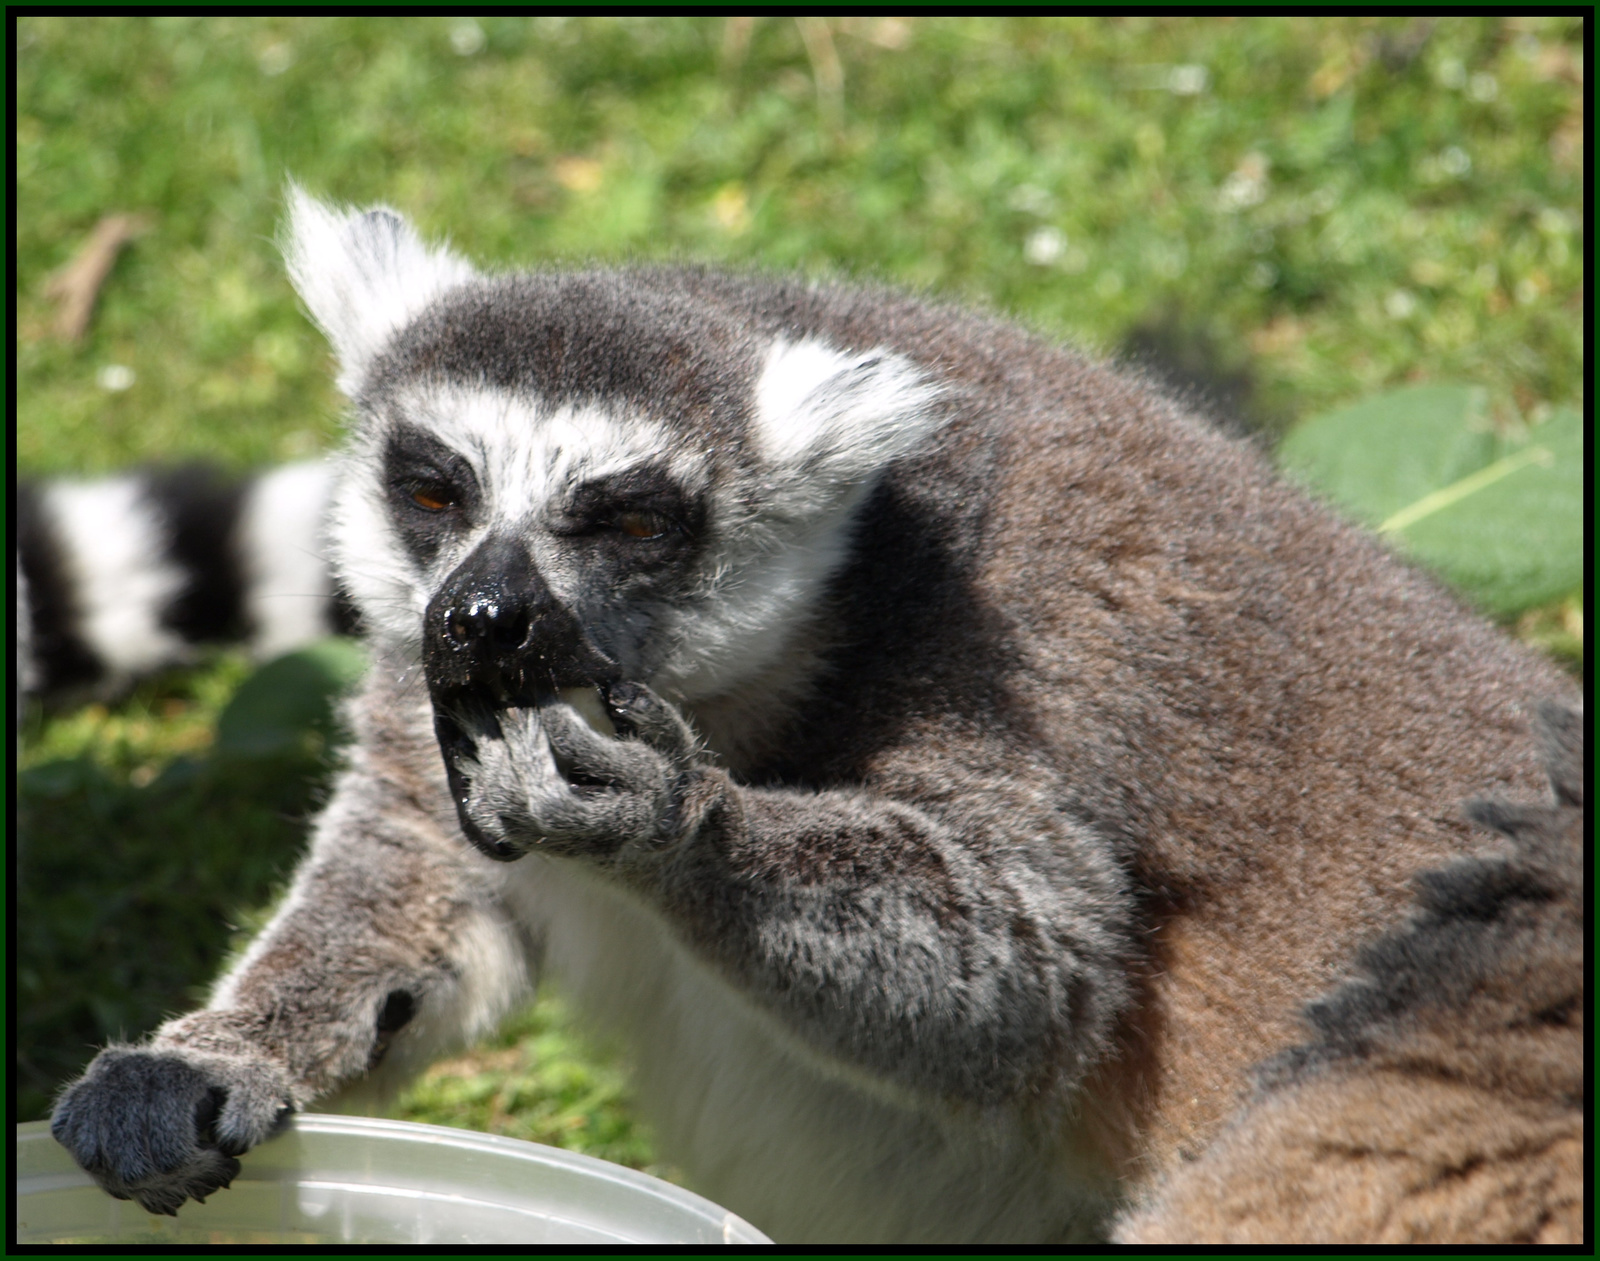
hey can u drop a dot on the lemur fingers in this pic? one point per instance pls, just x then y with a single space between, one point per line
195 1114
552 782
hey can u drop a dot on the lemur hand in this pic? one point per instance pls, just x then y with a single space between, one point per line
162 1126
549 782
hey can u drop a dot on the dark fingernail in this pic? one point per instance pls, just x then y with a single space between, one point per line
627 695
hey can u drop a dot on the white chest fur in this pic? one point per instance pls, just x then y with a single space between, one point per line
774 1131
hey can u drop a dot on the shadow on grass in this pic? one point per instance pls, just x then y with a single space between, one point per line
129 894
127 897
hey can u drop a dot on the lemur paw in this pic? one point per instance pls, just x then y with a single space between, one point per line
160 1127
549 782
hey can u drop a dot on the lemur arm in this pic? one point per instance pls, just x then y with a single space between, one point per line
391 922
972 947
951 958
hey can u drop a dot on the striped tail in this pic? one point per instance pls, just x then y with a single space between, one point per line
120 577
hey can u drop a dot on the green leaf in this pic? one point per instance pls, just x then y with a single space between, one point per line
289 697
1512 535
1383 454
1500 518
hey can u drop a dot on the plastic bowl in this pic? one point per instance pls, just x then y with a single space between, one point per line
343 1180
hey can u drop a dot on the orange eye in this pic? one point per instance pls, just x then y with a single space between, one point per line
642 525
429 499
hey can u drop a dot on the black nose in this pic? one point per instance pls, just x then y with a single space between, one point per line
501 626
495 629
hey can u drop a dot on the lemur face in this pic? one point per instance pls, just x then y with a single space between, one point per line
542 544
564 481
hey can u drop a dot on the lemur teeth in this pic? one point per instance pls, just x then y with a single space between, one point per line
586 700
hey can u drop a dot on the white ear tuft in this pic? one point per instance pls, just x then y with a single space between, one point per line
841 418
363 274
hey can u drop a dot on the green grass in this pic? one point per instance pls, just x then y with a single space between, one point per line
139 855
1354 207
1339 205
537 1081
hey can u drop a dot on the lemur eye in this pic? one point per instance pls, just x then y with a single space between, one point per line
431 498
643 525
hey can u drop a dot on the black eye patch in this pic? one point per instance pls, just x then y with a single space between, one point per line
431 489
644 504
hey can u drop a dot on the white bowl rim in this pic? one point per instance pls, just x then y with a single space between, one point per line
310 1124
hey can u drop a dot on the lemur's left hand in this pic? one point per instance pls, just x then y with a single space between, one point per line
549 782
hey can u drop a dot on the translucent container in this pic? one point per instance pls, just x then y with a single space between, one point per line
346 1180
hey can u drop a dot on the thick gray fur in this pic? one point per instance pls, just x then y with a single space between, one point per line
960 669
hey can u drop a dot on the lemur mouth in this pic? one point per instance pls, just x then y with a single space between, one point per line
495 638
464 716
461 718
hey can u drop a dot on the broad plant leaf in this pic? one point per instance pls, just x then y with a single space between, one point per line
1499 516
289 697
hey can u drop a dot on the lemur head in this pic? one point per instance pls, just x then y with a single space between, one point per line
563 479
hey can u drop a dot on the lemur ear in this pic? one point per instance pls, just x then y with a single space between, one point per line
363 274
840 418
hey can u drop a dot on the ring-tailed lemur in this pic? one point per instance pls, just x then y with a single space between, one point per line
124 575
947 765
